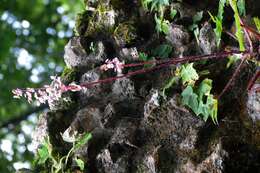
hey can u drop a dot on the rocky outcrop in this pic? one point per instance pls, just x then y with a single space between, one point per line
135 129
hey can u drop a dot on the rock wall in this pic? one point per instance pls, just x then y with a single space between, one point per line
135 129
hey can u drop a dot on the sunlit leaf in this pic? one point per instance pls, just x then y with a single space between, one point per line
43 154
188 74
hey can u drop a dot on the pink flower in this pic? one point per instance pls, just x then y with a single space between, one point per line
113 64
18 93
49 93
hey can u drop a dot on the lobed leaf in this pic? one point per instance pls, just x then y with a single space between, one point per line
188 74
189 98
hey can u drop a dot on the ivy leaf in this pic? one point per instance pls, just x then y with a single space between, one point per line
203 110
201 102
162 51
210 108
80 164
188 74
189 98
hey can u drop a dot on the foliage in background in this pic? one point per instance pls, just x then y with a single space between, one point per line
197 98
218 20
195 27
201 101
239 32
46 157
158 6
238 7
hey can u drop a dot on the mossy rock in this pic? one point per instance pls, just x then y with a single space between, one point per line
92 22
69 75
125 33
82 21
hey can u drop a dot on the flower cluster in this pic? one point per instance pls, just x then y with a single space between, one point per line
48 93
113 64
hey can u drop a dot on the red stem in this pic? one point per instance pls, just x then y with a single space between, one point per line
247 36
252 31
163 63
233 77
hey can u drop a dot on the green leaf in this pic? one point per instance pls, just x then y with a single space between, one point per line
165 26
221 6
83 140
173 13
204 88
188 74
218 21
145 3
162 51
143 56
257 23
201 102
80 164
189 98
203 110
239 32
162 25
213 108
218 29
43 154
241 5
